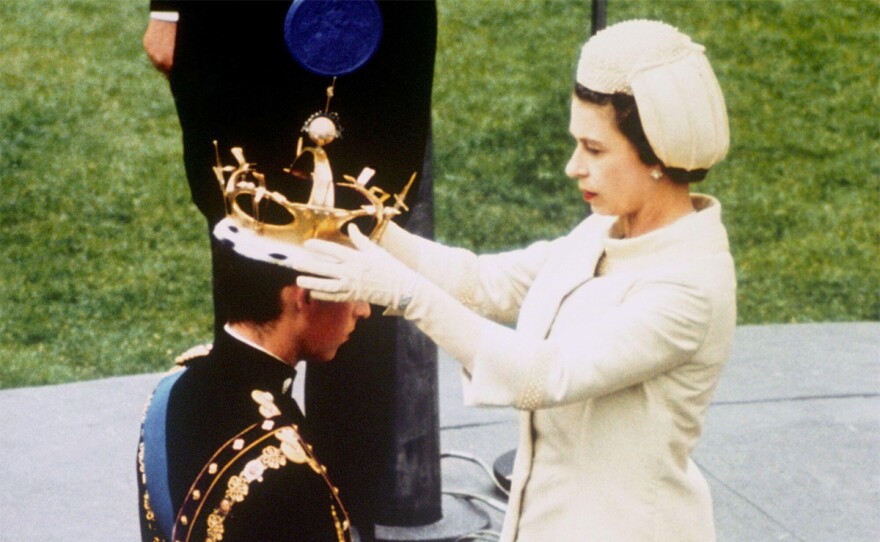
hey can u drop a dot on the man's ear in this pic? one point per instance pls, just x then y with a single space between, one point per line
296 298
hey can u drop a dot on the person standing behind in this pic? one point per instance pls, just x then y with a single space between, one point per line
234 81
623 326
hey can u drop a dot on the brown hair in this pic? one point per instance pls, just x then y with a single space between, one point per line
250 290
626 113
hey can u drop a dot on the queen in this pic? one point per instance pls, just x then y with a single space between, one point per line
621 328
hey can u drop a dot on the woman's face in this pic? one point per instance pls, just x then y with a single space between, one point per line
605 164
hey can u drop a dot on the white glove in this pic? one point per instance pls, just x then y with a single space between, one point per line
453 269
368 273
403 245
364 273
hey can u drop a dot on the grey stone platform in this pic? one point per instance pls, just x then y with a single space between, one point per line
791 447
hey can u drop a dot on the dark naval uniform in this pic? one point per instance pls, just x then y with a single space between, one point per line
238 461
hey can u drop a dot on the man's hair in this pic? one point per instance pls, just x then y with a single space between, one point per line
249 290
626 113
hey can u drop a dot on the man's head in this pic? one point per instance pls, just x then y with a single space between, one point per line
264 298
325 325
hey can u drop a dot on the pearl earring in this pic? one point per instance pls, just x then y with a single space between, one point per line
656 174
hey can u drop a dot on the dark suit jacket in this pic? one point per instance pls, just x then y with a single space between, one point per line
233 80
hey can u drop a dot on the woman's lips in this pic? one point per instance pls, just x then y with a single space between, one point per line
589 195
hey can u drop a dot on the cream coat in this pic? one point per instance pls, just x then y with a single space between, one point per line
613 373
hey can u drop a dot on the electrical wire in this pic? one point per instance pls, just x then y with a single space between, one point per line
480 536
494 503
481 463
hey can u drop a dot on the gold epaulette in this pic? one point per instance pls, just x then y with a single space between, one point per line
197 351
241 465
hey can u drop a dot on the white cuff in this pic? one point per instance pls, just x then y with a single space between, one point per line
167 16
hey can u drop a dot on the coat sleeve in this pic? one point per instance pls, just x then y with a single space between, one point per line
659 325
492 285
164 5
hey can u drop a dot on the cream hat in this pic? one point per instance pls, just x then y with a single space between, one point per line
680 102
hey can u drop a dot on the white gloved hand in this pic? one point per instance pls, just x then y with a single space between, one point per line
364 273
369 273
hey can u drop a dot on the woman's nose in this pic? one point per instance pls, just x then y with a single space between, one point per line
575 167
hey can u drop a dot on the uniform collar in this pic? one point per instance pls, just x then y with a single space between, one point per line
259 369
241 338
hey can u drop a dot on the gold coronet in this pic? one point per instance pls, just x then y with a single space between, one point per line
244 191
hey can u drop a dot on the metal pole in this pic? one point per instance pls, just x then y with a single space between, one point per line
415 509
598 12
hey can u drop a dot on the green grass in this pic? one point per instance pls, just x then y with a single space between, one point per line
799 187
104 259
104 264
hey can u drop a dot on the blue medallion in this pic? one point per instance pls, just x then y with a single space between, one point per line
333 37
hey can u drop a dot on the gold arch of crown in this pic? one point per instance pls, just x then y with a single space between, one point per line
318 218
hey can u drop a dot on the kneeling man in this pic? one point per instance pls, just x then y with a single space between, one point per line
224 451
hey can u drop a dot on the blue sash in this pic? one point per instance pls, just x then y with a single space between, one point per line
155 454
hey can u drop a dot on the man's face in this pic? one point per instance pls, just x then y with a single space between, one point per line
329 326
